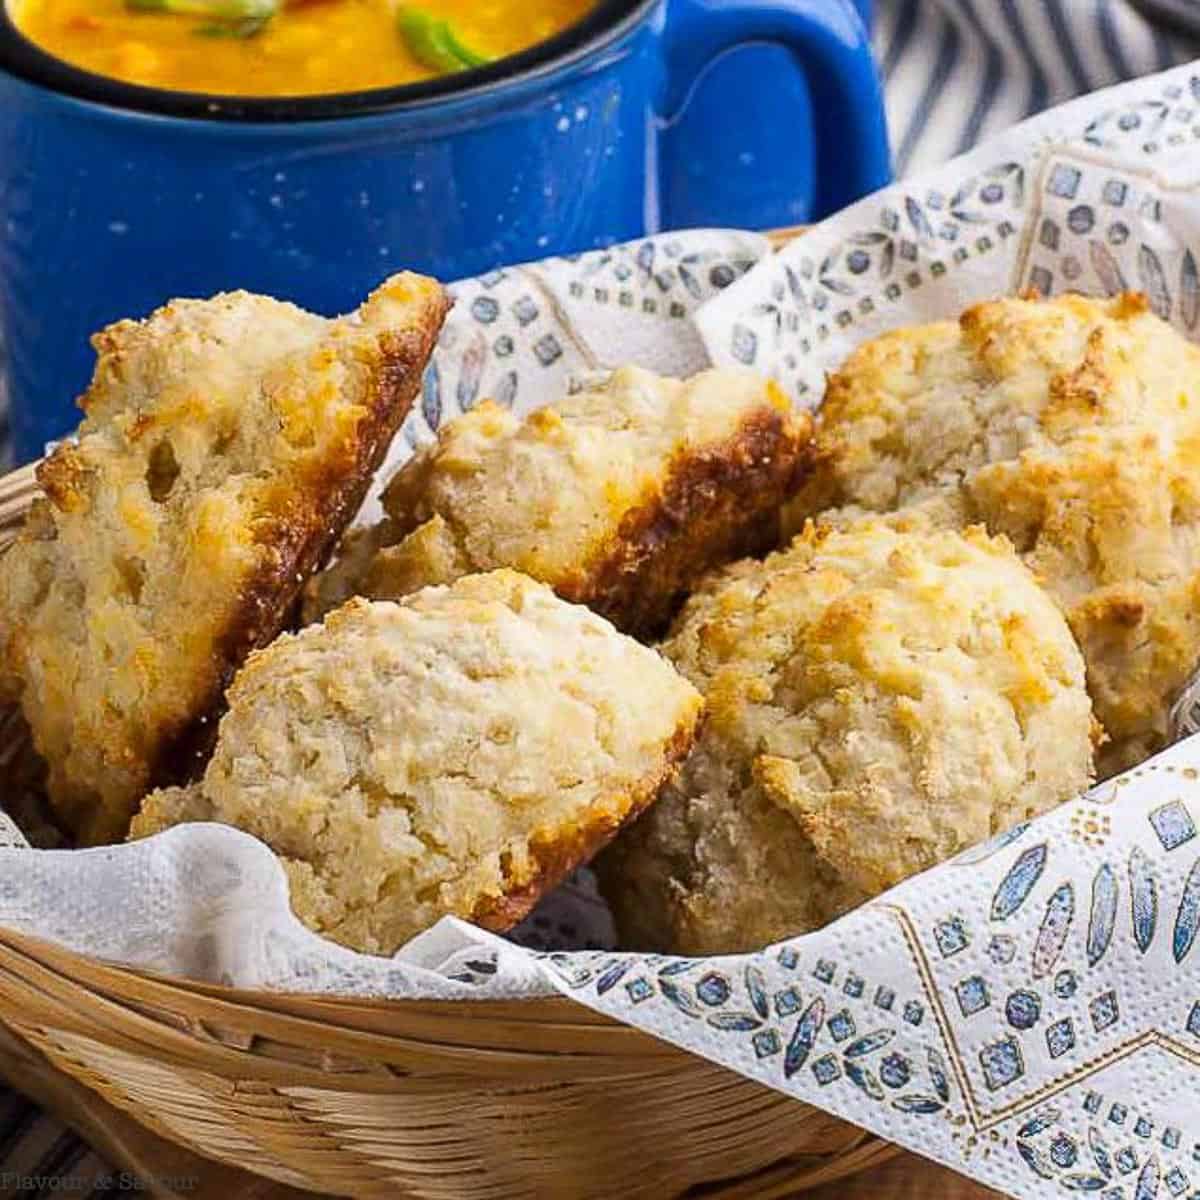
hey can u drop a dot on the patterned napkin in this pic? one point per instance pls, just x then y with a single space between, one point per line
526 334
1098 196
10 835
1028 1014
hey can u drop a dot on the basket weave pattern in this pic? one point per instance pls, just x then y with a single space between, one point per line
438 1100
477 1100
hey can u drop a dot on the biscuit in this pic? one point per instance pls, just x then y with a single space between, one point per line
617 498
226 443
456 753
879 698
1073 427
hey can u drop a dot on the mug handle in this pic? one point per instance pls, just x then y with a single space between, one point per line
831 47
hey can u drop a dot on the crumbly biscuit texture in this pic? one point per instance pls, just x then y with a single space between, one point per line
1073 427
880 697
618 498
457 753
226 443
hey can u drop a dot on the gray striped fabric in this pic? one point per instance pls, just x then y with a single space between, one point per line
954 71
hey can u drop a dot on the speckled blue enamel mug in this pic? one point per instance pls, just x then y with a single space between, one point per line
114 197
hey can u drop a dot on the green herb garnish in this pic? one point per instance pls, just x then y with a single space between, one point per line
224 18
465 54
434 44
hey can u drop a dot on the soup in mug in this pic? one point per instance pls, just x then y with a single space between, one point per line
287 47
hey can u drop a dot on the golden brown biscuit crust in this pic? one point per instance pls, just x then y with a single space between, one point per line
554 856
1072 426
879 697
308 524
226 443
617 499
454 754
717 504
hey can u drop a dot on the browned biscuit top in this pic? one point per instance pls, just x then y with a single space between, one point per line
878 698
1070 425
618 498
457 753
226 443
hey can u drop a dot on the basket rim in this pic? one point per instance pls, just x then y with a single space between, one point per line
299 1041
102 975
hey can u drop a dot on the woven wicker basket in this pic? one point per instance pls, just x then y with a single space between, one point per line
473 1100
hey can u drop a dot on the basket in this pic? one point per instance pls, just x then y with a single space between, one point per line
469 1100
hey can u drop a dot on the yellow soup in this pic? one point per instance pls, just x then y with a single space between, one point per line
287 47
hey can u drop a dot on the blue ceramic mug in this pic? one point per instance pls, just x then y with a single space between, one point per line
114 197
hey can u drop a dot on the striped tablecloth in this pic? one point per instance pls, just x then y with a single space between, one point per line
957 71
954 71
